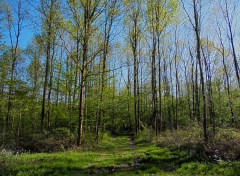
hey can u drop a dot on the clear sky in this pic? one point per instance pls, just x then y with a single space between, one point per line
27 31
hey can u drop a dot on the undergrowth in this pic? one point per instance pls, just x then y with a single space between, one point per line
146 155
223 145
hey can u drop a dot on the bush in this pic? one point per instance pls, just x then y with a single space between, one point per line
184 138
48 141
146 135
225 145
5 162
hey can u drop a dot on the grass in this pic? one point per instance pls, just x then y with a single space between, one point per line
114 156
222 168
110 153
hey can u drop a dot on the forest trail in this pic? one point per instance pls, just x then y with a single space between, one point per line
139 160
133 147
115 156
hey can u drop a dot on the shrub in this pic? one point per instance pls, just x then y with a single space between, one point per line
48 141
5 162
225 145
186 137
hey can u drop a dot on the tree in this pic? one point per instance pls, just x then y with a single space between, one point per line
223 53
196 22
229 14
34 52
160 15
50 17
91 11
110 13
134 35
15 25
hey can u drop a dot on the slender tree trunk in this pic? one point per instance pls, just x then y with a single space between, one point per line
231 38
135 87
50 90
222 51
198 48
209 91
107 32
82 90
49 36
14 48
188 95
129 100
172 111
159 84
177 82
46 79
57 93
154 89
193 112
86 37
176 94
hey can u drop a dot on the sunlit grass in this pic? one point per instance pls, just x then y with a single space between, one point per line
115 156
111 152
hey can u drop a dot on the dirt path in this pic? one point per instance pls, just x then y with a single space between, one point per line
133 146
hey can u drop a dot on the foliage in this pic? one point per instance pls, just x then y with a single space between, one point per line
77 81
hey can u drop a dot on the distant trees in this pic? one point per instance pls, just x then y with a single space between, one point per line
196 25
14 25
114 66
50 18
229 11
160 16
134 17
111 14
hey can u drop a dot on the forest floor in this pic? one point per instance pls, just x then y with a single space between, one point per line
122 155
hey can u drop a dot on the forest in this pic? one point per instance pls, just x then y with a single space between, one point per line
116 87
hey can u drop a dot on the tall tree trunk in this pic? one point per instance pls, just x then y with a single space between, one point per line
177 86
46 77
13 54
154 88
107 32
222 51
188 95
50 89
159 84
209 89
82 88
231 38
198 48
49 30
129 99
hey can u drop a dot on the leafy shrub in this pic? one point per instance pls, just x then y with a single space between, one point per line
186 137
48 141
5 162
226 144
146 135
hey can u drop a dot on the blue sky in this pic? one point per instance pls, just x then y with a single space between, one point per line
27 33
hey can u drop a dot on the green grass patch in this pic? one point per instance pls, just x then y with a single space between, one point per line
115 156
222 168
111 152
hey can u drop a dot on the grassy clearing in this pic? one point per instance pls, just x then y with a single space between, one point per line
112 152
114 156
